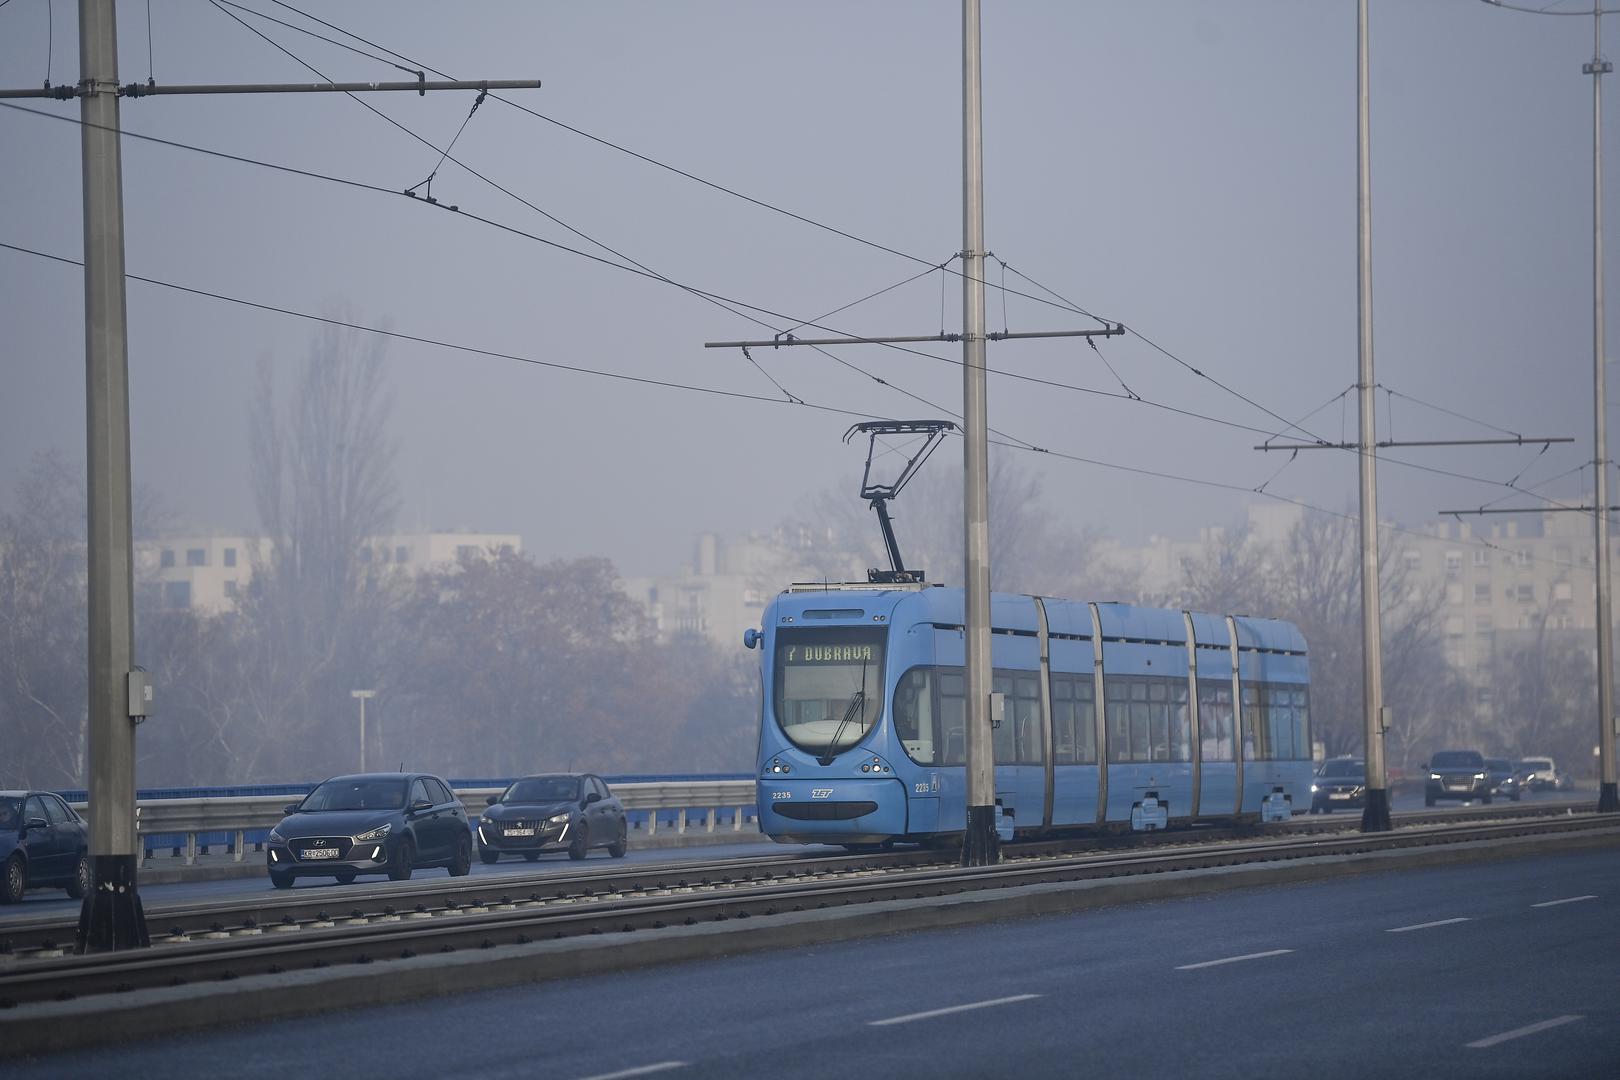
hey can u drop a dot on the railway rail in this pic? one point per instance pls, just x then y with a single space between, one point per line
656 897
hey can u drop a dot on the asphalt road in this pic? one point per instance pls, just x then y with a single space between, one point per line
1504 969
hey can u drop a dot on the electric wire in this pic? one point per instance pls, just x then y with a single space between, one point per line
718 298
1020 445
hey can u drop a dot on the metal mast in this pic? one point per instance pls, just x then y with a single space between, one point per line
1608 799
979 843
1375 816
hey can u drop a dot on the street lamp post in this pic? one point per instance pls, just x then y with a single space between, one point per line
363 695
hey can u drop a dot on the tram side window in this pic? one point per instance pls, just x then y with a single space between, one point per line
952 717
1180 722
1302 724
1280 720
1255 746
1215 720
914 716
1004 737
1025 713
1074 721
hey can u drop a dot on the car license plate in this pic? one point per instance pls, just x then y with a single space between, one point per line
320 853
1338 794
519 832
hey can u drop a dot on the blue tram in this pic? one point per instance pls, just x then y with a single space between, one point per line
1107 716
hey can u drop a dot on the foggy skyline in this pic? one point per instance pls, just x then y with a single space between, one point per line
1184 169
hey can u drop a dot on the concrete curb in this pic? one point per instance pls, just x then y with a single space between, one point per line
50 1027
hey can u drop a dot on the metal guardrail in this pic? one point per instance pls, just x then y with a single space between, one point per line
683 806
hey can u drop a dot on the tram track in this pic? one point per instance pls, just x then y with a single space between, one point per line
777 888
53 937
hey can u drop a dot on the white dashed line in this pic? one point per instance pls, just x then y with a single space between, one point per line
1565 900
640 1070
953 1009
1425 925
1233 959
1519 1033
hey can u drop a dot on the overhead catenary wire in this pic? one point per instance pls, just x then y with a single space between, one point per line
715 297
1020 445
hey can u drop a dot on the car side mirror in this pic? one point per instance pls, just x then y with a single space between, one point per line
420 806
290 808
34 823
492 800
1424 766
595 796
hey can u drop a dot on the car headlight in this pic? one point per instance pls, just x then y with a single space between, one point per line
558 819
1479 776
276 837
1434 776
1313 789
375 834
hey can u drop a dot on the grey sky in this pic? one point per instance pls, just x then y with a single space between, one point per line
1186 168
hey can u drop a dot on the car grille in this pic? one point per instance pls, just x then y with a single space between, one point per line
341 844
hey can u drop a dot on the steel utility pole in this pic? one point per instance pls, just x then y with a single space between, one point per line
979 843
1608 796
112 917
1375 812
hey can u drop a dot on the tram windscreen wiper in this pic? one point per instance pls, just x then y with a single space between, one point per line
857 703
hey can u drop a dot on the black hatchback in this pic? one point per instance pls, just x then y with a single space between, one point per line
1340 784
371 823
42 842
576 811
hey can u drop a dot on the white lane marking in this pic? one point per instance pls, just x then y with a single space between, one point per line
1425 925
1565 900
953 1009
1519 1033
1233 959
640 1070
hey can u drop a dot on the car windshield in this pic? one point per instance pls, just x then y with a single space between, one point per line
543 789
1457 759
10 811
1343 770
355 795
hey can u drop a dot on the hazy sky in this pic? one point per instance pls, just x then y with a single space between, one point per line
1185 168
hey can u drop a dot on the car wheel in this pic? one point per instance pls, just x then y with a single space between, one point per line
345 877
582 843
461 865
622 844
530 856
281 880
399 868
489 857
15 881
81 879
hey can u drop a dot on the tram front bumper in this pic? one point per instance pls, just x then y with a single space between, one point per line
835 811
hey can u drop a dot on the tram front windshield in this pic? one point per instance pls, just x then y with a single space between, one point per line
829 686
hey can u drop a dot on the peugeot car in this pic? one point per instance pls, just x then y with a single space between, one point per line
1340 784
373 823
572 811
42 842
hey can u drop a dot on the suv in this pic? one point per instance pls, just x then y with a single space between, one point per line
1457 774
1539 773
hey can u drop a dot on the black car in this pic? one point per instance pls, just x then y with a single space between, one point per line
1504 778
42 842
576 811
1457 774
373 823
1341 783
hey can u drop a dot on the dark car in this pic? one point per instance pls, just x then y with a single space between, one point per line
1341 783
42 842
373 823
1457 774
1504 778
576 811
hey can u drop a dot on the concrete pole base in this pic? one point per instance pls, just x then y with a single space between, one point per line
112 917
1375 816
981 846
1608 800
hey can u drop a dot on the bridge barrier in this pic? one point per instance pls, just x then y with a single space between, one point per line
189 827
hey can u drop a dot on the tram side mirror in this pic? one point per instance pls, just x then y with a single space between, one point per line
751 638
